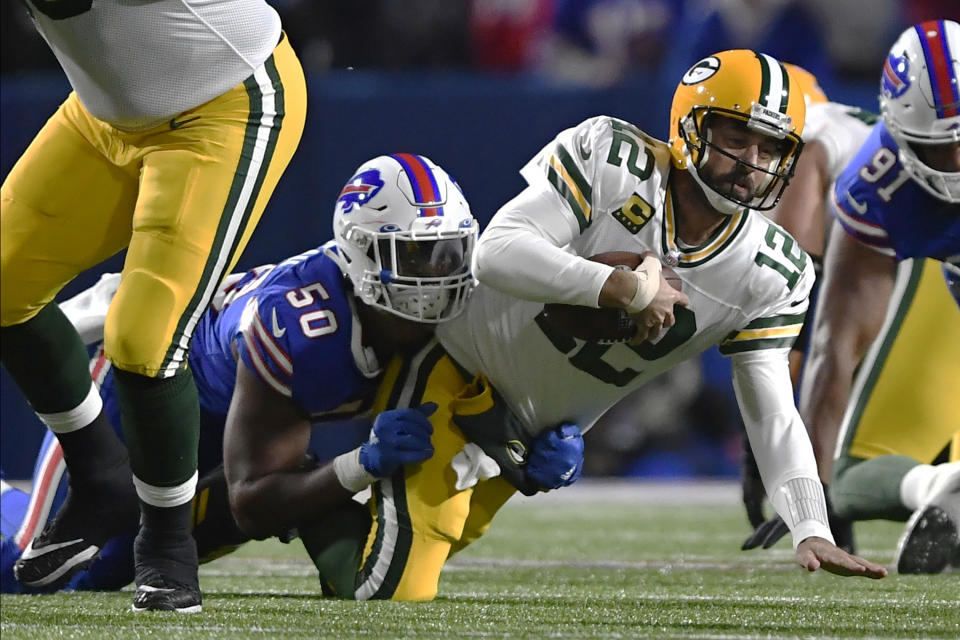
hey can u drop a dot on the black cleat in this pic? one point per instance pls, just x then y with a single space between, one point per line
928 543
165 595
931 540
166 573
73 539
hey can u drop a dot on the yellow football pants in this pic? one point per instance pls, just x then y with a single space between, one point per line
183 198
905 398
419 516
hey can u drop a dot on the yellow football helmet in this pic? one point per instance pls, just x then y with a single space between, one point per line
808 83
753 88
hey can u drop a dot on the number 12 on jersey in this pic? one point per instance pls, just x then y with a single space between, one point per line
787 258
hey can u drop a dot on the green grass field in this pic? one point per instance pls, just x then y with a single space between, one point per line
592 561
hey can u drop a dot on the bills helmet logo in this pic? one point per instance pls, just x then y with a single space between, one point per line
896 76
359 189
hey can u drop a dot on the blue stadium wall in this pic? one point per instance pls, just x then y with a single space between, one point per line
482 129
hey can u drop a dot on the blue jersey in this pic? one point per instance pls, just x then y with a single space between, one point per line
294 326
878 203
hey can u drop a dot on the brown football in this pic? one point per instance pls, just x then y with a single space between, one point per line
632 260
604 324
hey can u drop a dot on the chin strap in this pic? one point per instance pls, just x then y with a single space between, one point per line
720 203
717 201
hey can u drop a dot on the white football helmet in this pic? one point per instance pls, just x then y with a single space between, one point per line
405 238
920 99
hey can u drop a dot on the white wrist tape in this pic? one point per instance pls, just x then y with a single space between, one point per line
648 284
350 472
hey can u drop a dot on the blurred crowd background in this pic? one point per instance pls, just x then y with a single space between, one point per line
588 42
480 86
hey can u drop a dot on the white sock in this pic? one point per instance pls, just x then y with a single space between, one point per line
923 482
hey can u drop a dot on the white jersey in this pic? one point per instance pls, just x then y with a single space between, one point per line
603 186
137 64
841 129
748 284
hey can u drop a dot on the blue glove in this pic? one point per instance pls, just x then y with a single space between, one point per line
400 436
556 457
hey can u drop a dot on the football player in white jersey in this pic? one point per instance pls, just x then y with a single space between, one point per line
183 116
832 133
598 187
873 457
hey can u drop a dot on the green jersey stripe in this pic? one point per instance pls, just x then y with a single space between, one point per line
560 185
571 166
756 345
776 321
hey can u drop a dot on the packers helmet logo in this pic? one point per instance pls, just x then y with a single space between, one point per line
516 452
701 71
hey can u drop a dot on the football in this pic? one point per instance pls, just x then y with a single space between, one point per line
604 325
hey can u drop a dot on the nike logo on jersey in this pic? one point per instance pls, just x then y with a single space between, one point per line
585 150
275 329
176 124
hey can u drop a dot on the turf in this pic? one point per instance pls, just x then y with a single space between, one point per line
610 561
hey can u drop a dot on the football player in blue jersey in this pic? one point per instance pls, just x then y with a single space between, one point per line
282 347
896 203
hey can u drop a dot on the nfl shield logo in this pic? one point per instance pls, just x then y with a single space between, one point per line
896 76
359 189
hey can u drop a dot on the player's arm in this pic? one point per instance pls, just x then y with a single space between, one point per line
273 482
785 459
855 290
273 486
521 252
265 448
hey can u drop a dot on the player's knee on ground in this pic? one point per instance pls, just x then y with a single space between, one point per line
415 519
141 323
869 489
335 544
